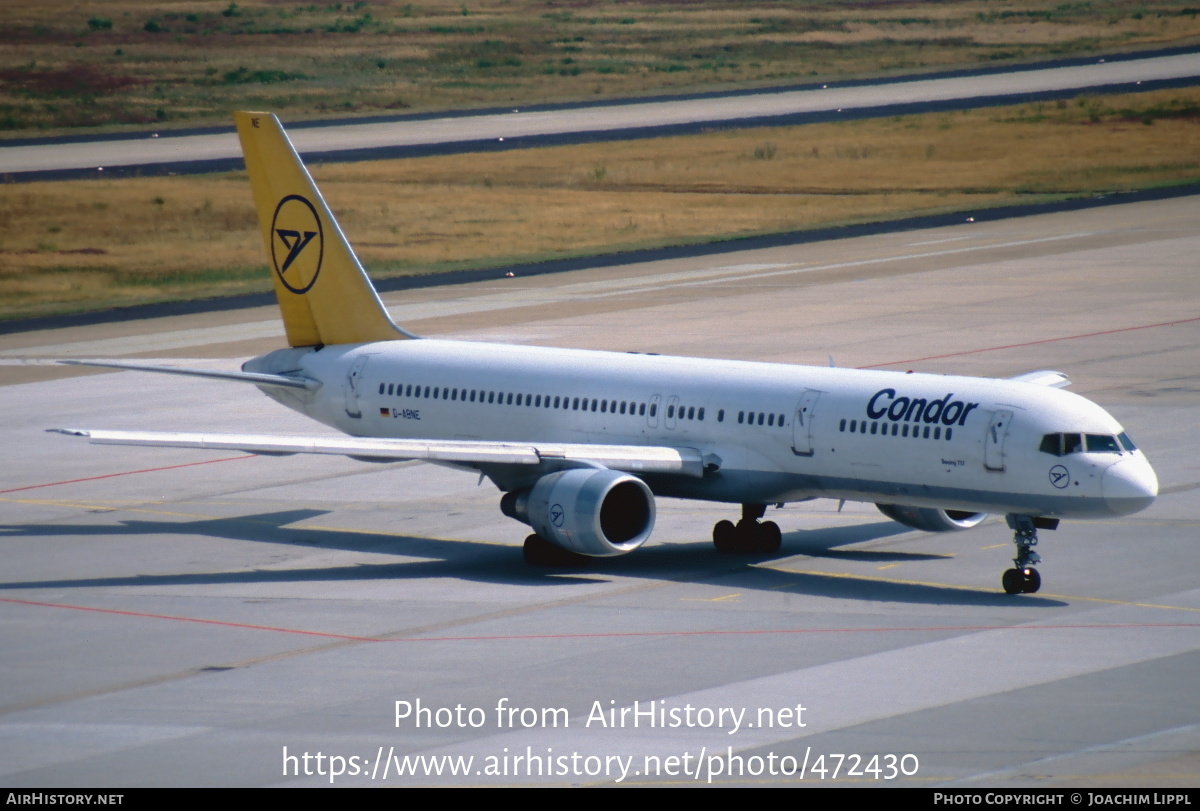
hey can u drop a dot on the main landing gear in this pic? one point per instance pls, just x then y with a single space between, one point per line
1024 578
748 535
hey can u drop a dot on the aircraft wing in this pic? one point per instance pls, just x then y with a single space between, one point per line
258 379
1045 377
626 458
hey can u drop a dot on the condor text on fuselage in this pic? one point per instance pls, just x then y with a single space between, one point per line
948 412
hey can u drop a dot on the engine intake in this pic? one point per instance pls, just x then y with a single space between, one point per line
930 519
595 512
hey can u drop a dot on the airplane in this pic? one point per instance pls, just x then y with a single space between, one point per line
581 442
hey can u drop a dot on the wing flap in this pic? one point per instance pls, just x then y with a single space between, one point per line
628 458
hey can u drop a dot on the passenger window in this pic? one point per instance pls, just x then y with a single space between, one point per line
654 409
741 417
642 410
691 412
700 414
842 425
720 415
760 418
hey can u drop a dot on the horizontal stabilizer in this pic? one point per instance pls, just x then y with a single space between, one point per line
1045 377
280 381
627 458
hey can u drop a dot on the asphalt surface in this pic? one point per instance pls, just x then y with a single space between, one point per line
180 618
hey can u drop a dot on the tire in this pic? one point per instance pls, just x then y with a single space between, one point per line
725 537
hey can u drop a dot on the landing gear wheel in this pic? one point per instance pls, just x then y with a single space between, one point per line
1013 581
748 536
540 552
1024 578
1033 580
725 537
770 538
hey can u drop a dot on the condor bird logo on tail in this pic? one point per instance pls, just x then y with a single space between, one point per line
294 226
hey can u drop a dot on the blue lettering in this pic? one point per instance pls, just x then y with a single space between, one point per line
946 410
875 413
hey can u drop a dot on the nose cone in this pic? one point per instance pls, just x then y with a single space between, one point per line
1129 486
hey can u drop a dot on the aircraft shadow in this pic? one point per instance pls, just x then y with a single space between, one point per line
491 563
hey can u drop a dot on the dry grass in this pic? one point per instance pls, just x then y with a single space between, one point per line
70 64
86 244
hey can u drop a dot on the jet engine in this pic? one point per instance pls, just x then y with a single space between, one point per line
930 519
590 511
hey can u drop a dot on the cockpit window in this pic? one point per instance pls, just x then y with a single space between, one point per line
1100 443
1063 444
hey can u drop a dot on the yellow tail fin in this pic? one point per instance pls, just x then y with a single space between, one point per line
323 291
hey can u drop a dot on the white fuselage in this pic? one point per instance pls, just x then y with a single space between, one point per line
768 432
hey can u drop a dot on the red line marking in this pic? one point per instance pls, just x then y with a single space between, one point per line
1033 343
612 634
186 619
127 473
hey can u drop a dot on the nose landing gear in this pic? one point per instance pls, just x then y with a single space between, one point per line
748 536
1024 578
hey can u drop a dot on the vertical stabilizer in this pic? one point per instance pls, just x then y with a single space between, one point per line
323 291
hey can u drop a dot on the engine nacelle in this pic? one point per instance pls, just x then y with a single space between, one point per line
930 519
594 512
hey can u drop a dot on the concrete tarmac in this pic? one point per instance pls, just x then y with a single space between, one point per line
171 617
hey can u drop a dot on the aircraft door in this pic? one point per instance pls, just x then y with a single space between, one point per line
993 442
802 423
354 383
